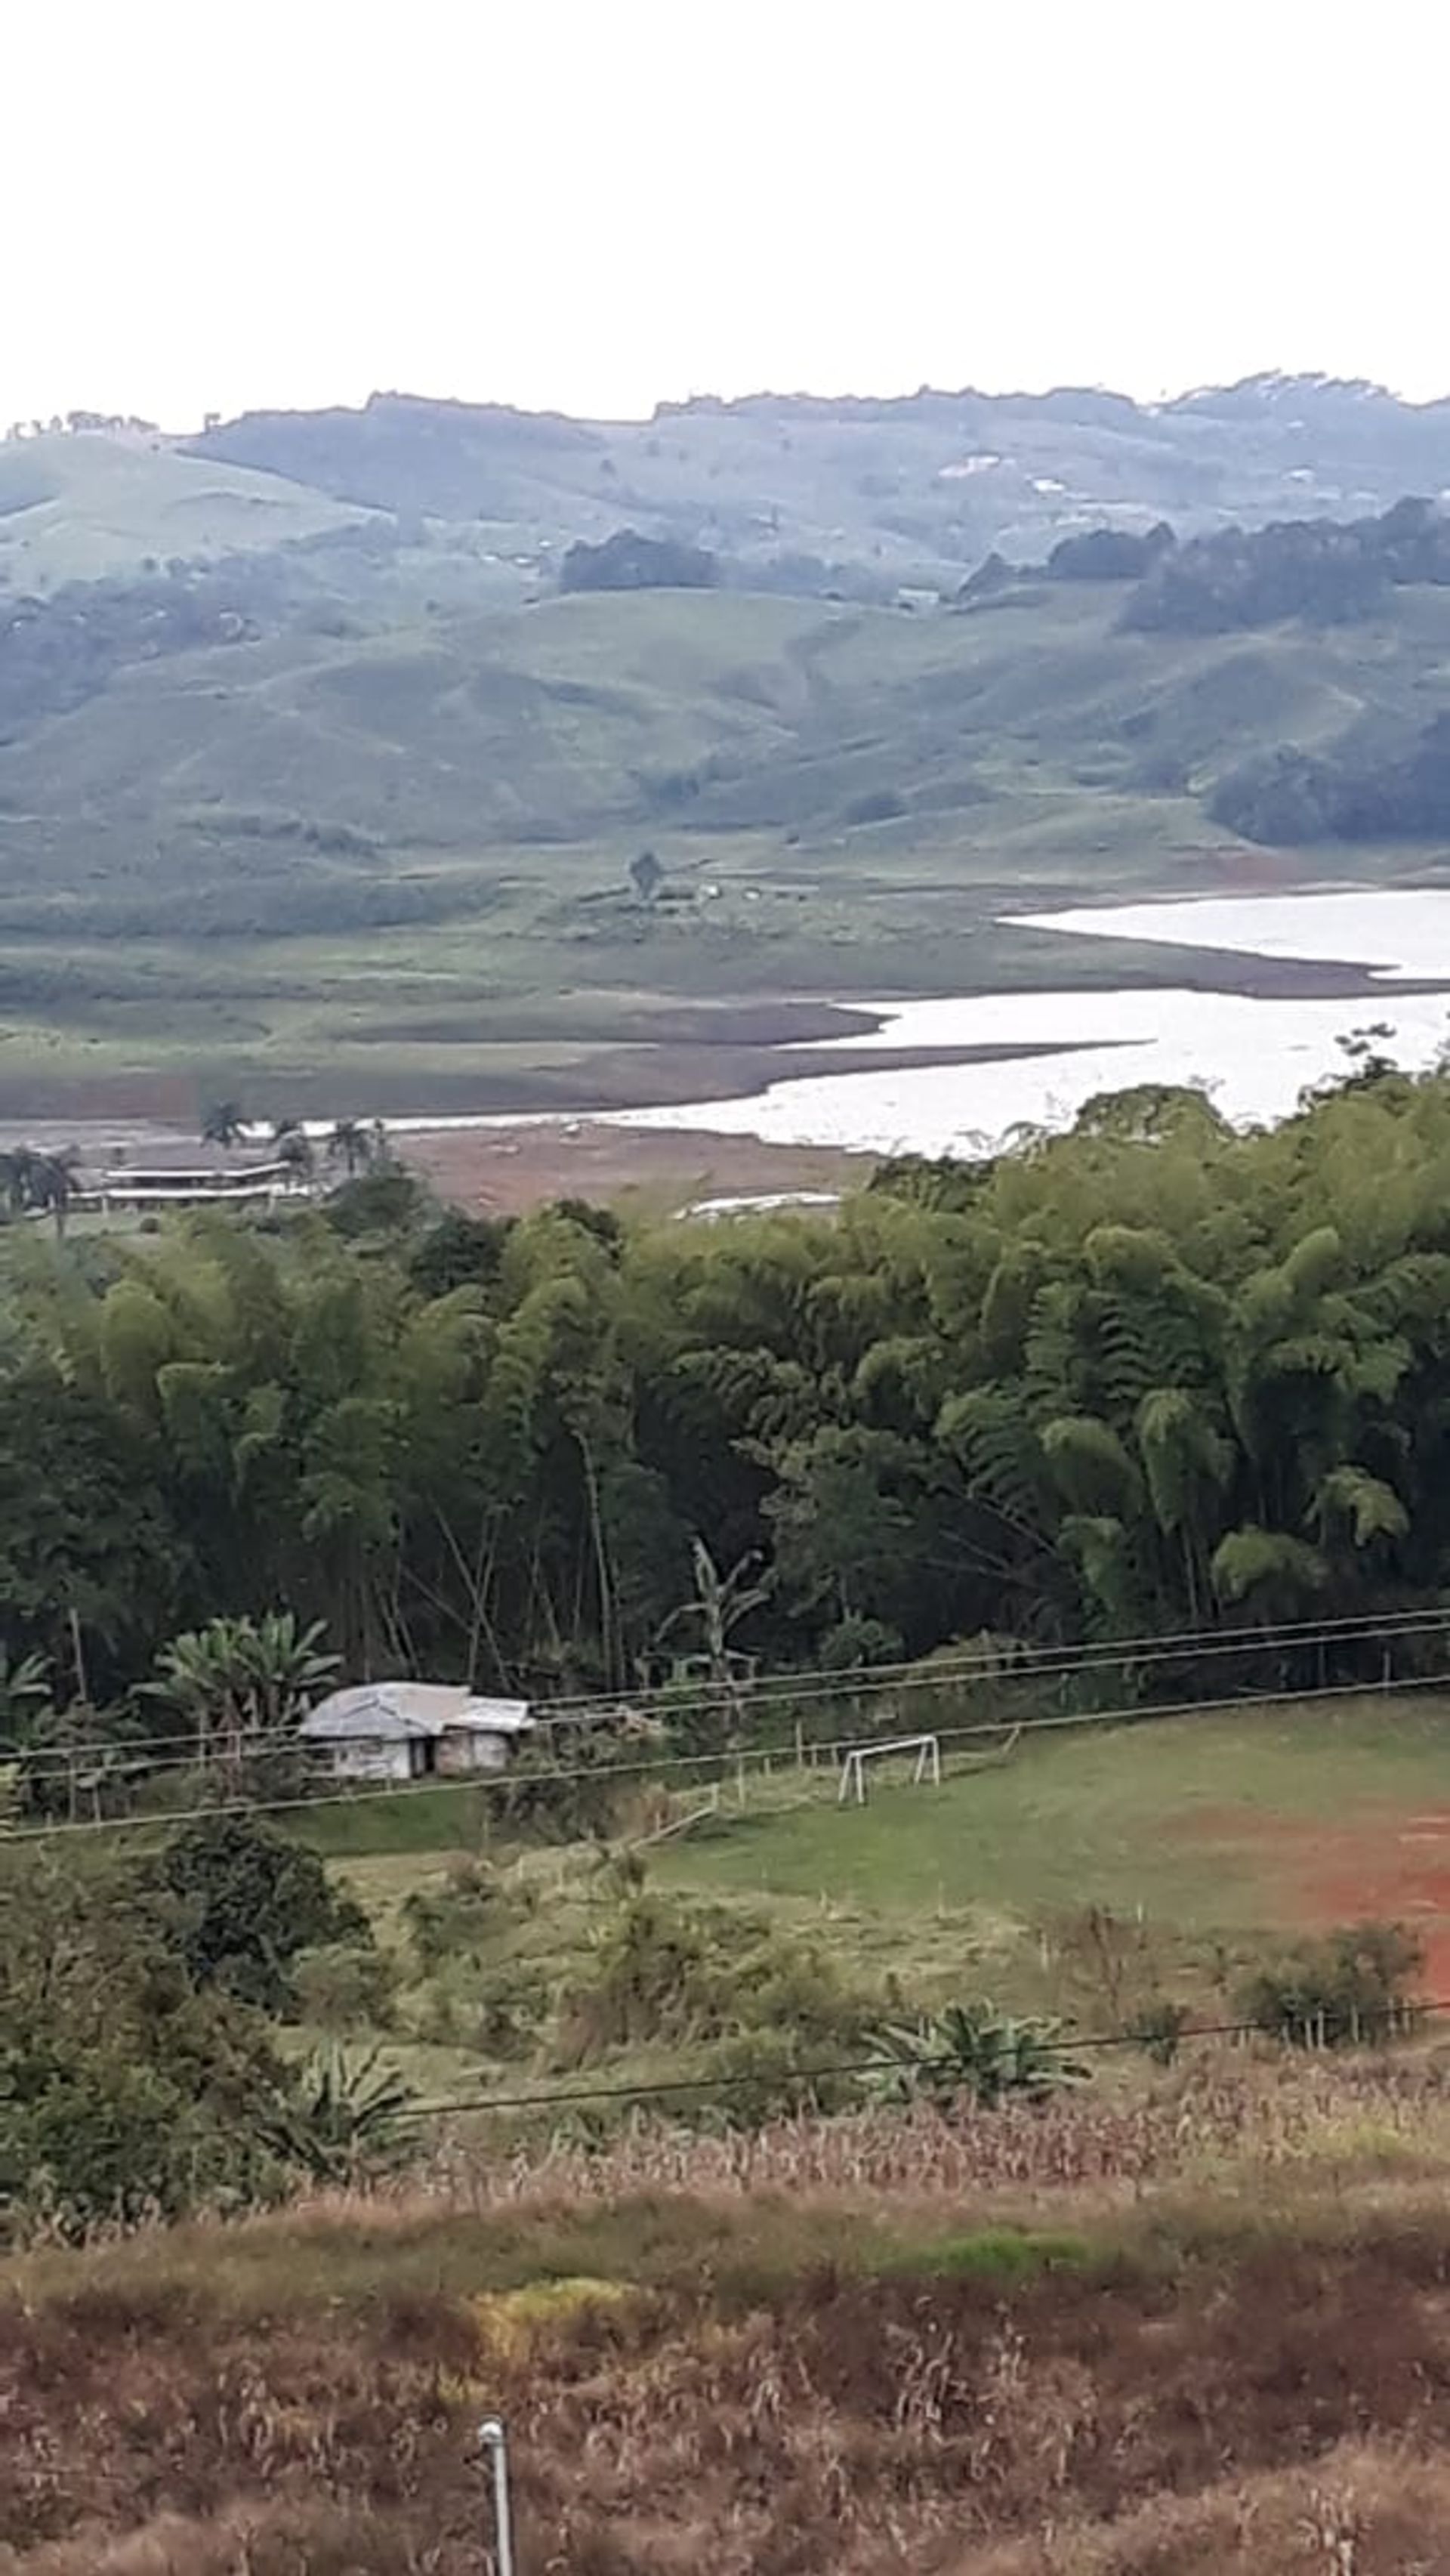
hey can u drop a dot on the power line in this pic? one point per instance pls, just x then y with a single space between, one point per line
792 1690
1386 2020
668 1765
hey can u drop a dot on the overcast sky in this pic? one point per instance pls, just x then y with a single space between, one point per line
595 203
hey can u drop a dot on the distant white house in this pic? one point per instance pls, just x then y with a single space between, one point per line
143 1187
404 1730
175 1176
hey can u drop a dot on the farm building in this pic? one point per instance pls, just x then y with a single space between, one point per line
404 1730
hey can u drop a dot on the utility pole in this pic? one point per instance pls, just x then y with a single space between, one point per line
493 2441
79 1653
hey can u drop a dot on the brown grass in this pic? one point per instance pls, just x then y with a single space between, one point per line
823 2349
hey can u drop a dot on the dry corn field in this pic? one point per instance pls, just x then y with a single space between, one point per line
1207 2329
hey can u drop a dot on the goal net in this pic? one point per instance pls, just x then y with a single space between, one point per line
926 1766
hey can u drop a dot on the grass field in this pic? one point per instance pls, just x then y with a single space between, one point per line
1204 1822
1092 1871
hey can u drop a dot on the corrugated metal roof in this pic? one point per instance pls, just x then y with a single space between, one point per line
396 1712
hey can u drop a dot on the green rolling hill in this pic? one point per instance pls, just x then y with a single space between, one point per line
80 508
310 789
396 866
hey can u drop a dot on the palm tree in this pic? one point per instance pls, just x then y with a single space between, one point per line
53 1185
224 1123
357 1144
294 1148
33 1183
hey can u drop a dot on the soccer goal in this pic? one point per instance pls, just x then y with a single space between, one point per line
927 1766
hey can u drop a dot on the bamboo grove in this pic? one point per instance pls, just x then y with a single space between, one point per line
1144 1377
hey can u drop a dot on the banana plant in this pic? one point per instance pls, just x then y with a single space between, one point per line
342 2119
973 2053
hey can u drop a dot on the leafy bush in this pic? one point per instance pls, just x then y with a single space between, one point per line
464 1916
124 2091
1158 2028
345 1985
566 1798
1355 1987
629 561
667 1973
973 2053
1108 554
244 1901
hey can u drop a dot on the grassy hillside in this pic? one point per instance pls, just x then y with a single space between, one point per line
385 862
79 508
879 490
1204 2330
1092 1875
1192 2318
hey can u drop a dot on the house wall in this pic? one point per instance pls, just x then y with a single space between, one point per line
372 1761
466 1748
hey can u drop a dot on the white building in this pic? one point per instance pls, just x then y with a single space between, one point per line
404 1730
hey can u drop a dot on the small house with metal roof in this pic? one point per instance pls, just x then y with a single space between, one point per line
405 1730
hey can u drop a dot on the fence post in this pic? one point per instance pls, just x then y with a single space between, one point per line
493 2440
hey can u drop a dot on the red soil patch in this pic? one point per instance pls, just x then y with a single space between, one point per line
1391 1865
504 1170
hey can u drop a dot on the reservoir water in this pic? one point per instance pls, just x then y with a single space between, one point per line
1252 1055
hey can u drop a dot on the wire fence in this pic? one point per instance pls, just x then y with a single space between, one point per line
812 1717
980 1664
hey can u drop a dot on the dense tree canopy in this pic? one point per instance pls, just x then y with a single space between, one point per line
1325 571
1148 1375
629 561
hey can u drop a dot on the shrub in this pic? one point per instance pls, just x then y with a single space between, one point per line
628 561
566 1798
1158 2028
1356 1986
464 1916
243 1902
123 2089
664 1972
345 1985
98 2137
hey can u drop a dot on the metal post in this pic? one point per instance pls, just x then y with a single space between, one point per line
493 2439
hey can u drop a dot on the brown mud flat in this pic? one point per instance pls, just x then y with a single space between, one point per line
653 1050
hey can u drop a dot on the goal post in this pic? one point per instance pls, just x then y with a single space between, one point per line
927 1766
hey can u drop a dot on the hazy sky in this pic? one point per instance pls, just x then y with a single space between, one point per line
594 203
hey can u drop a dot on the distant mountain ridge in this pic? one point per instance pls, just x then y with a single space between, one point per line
894 485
